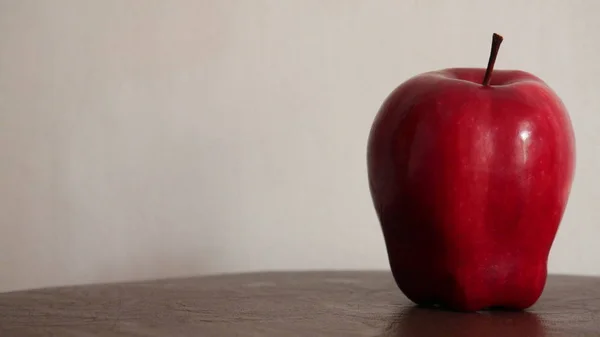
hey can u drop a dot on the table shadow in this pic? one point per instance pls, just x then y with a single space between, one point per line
433 322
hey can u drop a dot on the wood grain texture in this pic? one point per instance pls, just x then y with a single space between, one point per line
284 304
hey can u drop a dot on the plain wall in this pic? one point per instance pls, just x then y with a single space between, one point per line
148 139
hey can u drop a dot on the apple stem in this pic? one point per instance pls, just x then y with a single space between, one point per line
496 41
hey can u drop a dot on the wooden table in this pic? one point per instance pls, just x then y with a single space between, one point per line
284 305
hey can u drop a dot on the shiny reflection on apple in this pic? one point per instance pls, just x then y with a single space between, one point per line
524 134
432 322
525 140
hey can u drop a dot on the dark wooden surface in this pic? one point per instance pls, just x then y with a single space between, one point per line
284 304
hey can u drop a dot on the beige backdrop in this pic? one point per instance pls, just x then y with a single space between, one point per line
143 139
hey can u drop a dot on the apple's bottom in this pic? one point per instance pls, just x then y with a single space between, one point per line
473 289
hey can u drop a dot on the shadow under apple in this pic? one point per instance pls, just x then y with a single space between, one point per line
429 322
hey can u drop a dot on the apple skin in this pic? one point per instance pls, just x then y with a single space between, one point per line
470 183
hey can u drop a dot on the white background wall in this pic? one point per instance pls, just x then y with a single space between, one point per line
143 139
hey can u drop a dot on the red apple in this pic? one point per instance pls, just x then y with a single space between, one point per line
470 171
